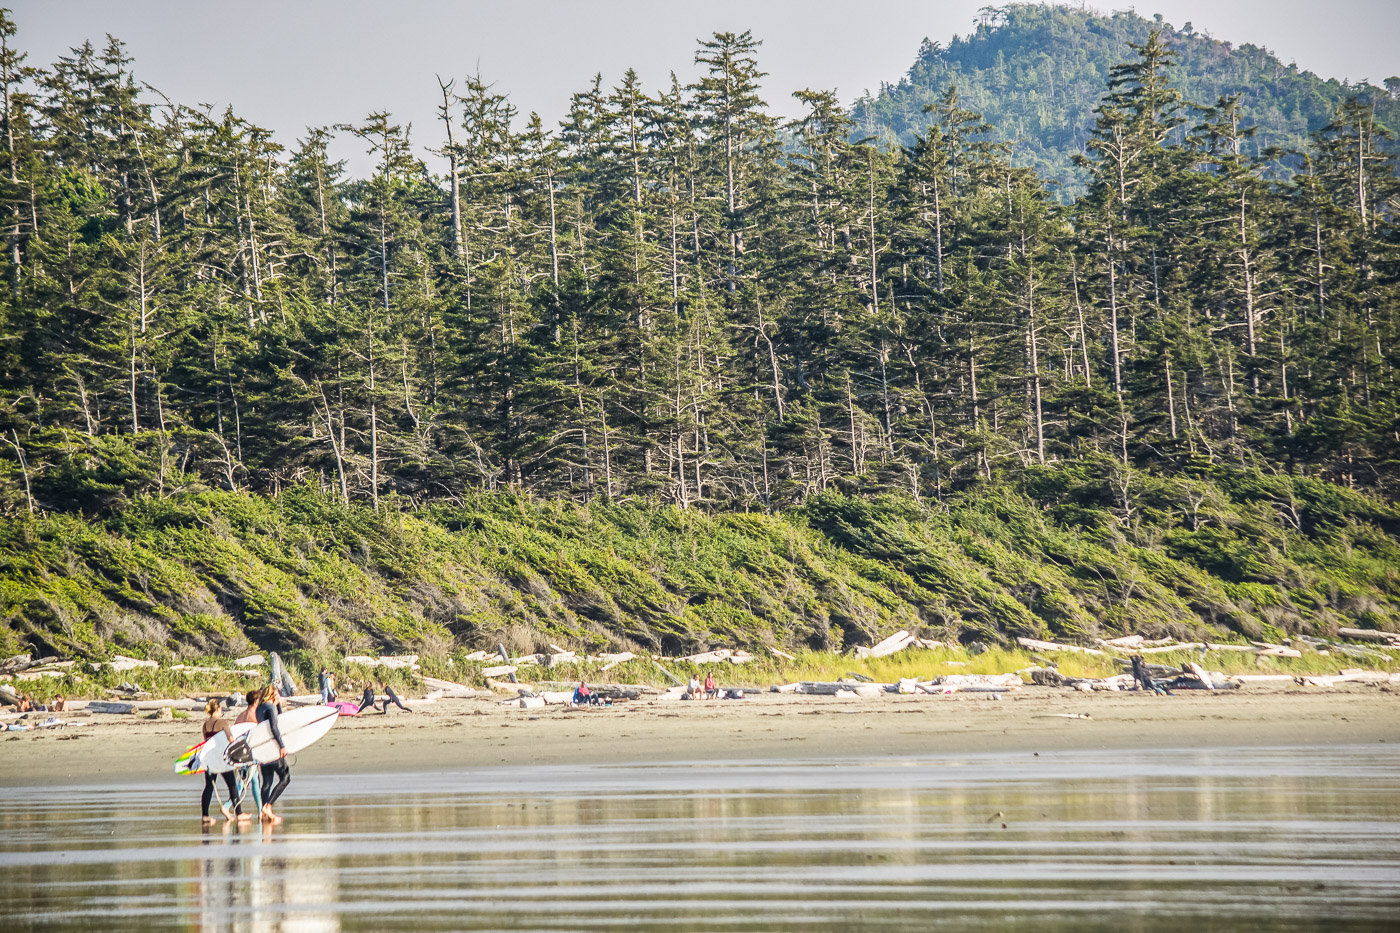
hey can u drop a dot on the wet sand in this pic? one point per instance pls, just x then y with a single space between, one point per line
483 732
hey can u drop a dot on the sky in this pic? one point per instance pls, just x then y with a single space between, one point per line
290 64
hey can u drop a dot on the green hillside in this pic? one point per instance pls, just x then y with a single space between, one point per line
1036 72
198 572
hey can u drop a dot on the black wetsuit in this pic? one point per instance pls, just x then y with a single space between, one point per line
391 697
366 701
209 780
267 712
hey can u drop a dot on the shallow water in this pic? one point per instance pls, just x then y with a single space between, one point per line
1229 840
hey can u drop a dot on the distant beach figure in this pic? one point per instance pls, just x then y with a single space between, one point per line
391 697
327 687
1143 678
213 725
584 696
26 704
692 689
711 688
59 704
367 698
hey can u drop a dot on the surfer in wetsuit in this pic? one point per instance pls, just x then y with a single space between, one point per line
367 700
213 725
267 712
391 697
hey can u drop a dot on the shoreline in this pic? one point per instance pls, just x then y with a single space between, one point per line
489 733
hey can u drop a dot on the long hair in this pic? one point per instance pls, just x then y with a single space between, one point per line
211 709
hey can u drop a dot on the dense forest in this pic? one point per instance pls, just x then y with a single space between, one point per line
676 372
1036 73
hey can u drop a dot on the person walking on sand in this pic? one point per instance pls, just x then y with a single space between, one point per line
711 688
267 712
213 725
391 697
250 775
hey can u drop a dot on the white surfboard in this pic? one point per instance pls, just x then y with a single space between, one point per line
299 727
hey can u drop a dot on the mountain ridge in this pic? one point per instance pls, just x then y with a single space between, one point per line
1054 61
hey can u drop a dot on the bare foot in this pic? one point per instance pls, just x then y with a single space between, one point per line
243 818
223 808
207 821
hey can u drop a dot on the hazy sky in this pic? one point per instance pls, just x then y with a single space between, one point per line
287 64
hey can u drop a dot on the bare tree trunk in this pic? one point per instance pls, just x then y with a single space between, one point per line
453 163
335 447
24 469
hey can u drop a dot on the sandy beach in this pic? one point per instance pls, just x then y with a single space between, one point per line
485 732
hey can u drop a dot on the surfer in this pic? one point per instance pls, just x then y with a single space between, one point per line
391 697
267 712
367 700
250 775
213 725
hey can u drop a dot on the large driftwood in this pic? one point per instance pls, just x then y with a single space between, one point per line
1364 634
892 645
1163 649
1352 675
508 686
17 663
1277 651
979 680
1037 645
108 706
123 663
448 688
615 659
499 670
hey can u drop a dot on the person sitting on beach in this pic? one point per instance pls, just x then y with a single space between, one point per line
583 696
711 688
692 689
26 704
59 704
213 725
391 697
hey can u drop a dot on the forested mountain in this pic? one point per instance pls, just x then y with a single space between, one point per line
1036 73
661 305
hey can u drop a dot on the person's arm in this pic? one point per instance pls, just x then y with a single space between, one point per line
276 732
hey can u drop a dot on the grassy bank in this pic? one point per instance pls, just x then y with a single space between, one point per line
1066 553
761 672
